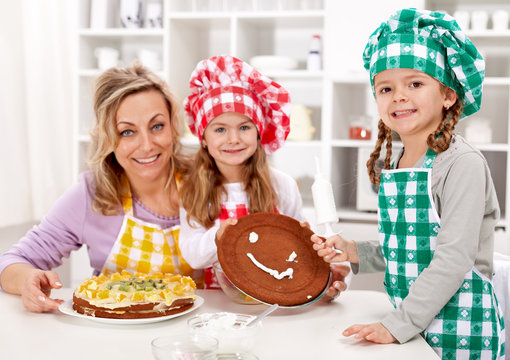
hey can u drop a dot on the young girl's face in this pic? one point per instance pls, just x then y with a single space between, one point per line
231 139
411 102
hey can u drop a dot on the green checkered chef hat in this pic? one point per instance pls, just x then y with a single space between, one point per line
432 42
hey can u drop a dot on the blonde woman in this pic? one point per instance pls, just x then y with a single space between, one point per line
126 209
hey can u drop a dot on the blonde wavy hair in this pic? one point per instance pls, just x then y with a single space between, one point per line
202 190
111 88
438 141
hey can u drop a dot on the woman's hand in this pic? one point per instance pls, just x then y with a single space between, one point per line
223 226
36 291
326 249
375 332
33 285
338 275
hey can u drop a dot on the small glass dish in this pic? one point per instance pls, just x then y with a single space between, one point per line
229 328
189 346
232 356
230 290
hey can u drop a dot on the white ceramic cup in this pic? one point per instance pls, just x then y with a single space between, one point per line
500 20
107 57
479 19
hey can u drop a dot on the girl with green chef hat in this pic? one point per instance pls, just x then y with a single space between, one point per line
437 203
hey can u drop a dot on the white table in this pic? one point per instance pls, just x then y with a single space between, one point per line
312 332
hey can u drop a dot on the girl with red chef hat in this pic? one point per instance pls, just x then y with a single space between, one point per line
240 116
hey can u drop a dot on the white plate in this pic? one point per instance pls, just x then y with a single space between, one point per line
67 308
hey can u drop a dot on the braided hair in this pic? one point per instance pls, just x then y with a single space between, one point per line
438 141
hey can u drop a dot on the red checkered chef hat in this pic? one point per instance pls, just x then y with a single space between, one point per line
227 84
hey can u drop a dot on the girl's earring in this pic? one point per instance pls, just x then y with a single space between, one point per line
447 107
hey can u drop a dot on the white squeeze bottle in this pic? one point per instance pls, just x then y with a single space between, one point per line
314 61
324 201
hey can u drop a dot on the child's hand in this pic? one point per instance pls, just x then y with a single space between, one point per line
222 228
325 249
339 273
304 224
375 332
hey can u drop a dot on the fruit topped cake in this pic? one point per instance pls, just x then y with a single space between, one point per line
127 296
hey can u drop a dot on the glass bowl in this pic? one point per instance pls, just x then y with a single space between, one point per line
230 290
229 328
189 346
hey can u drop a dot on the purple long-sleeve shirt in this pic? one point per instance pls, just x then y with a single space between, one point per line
72 223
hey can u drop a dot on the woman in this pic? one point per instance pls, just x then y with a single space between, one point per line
126 209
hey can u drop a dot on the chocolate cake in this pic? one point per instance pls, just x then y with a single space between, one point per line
270 258
124 296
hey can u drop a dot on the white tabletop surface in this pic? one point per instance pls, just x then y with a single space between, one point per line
312 332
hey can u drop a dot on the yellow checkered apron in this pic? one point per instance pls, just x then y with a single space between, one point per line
147 248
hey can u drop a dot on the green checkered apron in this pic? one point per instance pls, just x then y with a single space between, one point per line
470 326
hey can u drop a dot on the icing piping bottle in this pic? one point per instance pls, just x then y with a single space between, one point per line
323 201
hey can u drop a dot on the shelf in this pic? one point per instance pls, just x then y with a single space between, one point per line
353 143
370 144
500 81
489 33
260 15
492 147
358 78
353 215
120 32
302 144
294 74
93 73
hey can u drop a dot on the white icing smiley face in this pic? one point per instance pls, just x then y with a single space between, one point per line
253 238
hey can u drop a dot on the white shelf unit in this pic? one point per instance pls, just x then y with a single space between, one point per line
335 94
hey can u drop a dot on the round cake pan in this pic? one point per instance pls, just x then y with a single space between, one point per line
258 252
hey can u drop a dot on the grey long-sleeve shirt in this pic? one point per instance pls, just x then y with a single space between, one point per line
466 201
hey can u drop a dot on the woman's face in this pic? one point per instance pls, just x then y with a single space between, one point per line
145 137
231 139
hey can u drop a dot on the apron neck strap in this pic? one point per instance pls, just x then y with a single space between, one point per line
126 198
430 156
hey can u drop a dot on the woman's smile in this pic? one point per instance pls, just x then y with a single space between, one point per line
147 160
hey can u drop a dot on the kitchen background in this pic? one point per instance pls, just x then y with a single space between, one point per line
56 48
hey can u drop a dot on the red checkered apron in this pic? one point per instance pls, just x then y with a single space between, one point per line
228 211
